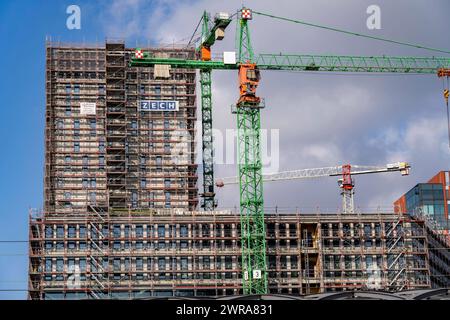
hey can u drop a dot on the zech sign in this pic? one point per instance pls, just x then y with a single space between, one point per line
158 105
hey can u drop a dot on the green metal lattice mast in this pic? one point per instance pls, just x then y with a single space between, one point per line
253 234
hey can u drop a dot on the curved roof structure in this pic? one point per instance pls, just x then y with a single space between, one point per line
426 294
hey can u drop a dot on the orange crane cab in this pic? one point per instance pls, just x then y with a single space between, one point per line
249 77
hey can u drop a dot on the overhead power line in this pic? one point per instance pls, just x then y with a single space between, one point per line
418 46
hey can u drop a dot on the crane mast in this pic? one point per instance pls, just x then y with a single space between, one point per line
253 233
247 112
208 37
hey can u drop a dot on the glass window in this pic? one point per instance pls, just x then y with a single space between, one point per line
116 231
68 111
59 265
184 263
139 264
161 231
161 263
60 231
127 264
134 198
83 265
183 230
369 261
76 147
139 231
48 265
116 264
48 232
60 245
71 232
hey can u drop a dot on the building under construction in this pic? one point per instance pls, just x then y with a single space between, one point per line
101 148
123 254
120 220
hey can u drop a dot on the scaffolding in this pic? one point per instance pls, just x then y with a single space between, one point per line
117 152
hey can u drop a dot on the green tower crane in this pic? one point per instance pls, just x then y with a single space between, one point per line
247 110
251 200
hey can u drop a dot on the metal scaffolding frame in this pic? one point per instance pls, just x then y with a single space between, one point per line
120 253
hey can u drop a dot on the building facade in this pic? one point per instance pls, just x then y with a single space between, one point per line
101 148
137 254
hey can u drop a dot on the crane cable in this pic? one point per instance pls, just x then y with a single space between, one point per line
352 33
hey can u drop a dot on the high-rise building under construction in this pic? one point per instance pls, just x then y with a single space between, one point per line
102 149
120 216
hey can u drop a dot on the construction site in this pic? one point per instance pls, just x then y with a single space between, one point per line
126 216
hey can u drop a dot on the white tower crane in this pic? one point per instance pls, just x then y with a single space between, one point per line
346 183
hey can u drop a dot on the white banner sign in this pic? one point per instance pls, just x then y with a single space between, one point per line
88 108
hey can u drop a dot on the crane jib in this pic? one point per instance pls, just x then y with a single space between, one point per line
383 64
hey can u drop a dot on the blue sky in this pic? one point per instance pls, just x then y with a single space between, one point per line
400 123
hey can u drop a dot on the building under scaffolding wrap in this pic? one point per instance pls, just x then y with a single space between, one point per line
101 148
125 254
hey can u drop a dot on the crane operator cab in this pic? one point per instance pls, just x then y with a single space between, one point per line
249 77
